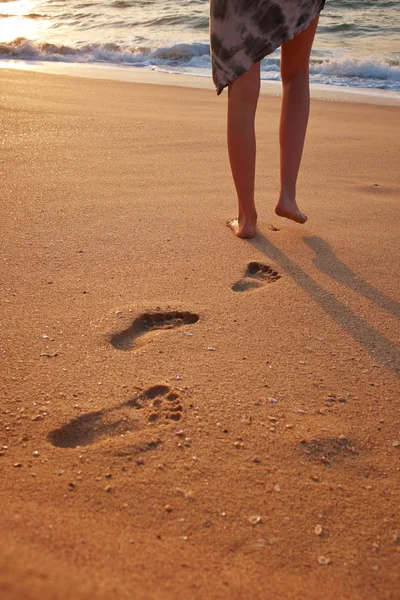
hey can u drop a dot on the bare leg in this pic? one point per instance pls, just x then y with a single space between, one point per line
242 103
295 56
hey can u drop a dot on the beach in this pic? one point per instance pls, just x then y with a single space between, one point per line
185 413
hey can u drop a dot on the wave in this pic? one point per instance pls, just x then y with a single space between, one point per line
363 69
340 71
346 67
23 48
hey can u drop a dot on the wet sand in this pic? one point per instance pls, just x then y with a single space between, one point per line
185 413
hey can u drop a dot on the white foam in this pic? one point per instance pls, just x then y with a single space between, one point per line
363 69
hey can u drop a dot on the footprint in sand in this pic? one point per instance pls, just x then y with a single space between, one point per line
149 322
327 451
158 404
256 275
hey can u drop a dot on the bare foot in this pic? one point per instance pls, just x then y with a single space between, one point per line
288 208
243 228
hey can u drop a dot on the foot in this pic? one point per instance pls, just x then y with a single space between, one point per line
244 228
288 208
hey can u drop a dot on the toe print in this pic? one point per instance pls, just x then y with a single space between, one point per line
256 275
158 402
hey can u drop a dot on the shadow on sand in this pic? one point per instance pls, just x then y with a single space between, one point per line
379 347
327 263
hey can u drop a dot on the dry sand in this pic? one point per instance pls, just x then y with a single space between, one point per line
252 454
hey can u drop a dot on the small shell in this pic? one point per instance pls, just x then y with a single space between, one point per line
318 529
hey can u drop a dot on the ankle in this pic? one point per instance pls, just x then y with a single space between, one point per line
288 193
248 213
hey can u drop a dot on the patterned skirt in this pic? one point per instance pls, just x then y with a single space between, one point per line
243 32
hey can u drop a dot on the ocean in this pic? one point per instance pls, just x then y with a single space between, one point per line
357 43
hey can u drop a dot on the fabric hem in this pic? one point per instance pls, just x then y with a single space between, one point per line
246 66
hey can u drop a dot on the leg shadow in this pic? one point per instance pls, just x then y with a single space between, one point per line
378 346
327 263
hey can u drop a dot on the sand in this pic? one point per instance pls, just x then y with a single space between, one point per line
185 414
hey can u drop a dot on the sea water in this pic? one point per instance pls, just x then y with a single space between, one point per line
357 43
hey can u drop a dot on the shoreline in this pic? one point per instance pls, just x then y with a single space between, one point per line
152 77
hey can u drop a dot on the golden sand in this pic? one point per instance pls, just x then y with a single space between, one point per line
185 414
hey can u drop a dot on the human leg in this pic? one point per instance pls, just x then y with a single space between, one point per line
295 56
243 95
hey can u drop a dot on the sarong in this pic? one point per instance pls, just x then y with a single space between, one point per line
243 32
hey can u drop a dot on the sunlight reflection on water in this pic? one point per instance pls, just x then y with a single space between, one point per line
19 19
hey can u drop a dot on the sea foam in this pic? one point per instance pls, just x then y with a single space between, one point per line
190 57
